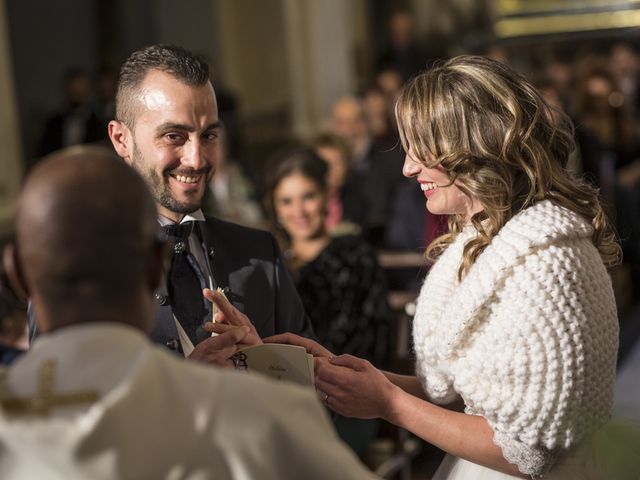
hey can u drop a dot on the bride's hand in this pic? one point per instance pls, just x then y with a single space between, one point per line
353 387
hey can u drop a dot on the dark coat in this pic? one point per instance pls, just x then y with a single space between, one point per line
247 264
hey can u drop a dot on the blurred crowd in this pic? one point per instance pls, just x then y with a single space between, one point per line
337 200
87 107
600 93
363 199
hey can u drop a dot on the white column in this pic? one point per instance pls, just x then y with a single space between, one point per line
253 64
11 154
321 65
288 58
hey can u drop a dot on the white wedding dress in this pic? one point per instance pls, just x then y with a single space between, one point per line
577 464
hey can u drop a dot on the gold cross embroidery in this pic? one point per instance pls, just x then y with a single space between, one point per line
45 398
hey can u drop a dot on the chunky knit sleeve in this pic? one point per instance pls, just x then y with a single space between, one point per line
538 360
528 338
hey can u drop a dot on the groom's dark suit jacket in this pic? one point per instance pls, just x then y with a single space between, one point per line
247 264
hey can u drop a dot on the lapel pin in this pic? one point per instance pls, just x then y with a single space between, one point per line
179 247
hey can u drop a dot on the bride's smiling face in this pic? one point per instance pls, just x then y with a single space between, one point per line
443 197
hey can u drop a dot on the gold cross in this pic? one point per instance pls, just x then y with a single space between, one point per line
45 398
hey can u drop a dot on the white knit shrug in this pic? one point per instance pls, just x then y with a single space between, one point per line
528 339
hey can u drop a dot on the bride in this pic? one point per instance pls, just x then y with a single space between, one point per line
516 331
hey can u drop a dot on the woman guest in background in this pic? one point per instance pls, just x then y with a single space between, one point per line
339 281
346 207
516 319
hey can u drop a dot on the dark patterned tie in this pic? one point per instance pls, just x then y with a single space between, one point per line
185 283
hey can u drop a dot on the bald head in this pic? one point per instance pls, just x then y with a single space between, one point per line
348 119
85 229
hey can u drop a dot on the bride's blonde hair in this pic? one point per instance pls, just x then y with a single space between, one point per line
500 142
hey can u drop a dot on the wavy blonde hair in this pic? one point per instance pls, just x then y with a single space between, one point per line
500 142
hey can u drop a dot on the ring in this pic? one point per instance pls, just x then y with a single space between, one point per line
326 399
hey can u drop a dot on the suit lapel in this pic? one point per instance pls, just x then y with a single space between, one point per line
219 270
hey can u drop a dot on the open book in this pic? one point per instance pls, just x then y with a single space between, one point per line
278 361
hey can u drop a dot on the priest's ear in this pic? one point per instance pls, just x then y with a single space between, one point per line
13 268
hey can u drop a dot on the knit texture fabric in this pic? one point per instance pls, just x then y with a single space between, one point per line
528 339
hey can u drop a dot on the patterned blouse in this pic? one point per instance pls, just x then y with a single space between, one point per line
344 292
